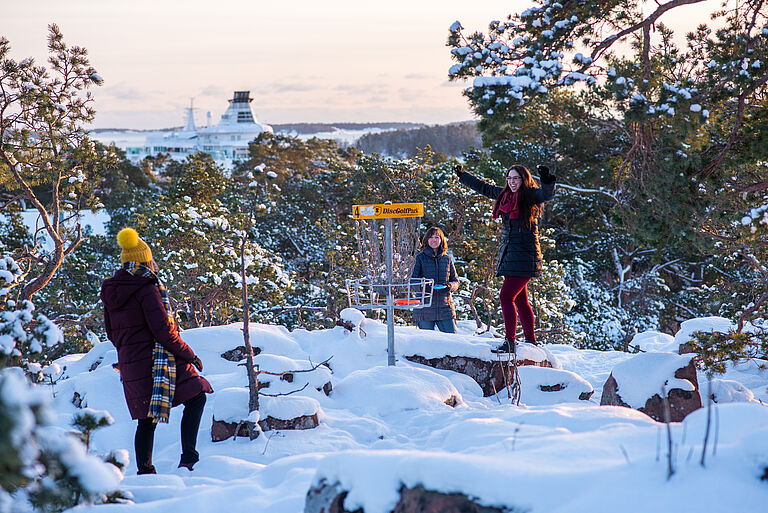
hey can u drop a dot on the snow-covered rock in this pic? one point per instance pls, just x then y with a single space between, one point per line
654 341
294 375
231 416
352 316
703 324
643 380
543 385
492 372
386 390
728 391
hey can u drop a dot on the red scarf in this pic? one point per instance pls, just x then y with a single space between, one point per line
508 203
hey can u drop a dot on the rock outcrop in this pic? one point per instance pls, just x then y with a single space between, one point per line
221 430
329 498
491 375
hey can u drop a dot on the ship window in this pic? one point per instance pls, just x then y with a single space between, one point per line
244 117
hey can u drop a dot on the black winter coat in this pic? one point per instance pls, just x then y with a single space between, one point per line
135 317
519 253
441 269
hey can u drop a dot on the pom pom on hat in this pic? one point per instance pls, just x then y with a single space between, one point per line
134 249
127 238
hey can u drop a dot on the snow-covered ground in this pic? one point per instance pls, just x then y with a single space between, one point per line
383 427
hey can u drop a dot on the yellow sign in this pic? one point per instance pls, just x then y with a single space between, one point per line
388 210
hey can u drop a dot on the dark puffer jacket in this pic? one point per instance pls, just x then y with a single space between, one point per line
440 268
134 316
519 253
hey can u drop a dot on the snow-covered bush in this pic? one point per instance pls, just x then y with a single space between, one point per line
598 320
26 337
43 466
552 298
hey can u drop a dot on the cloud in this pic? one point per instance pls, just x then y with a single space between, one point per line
292 87
410 94
419 76
214 90
371 87
124 91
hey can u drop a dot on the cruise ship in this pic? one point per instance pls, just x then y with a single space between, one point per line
227 141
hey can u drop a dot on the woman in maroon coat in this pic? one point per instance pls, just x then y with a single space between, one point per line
136 317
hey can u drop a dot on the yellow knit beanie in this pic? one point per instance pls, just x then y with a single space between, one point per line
134 249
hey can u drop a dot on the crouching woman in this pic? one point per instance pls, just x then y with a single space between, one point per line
156 367
434 262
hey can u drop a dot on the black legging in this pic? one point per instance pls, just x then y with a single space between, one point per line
190 423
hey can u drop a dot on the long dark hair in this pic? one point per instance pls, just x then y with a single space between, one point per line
443 243
529 210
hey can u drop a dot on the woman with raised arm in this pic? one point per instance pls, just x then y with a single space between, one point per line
518 259
435 263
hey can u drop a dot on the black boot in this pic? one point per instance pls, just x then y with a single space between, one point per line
507 347
533 342
187 466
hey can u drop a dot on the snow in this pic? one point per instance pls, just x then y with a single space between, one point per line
534 380
728 391
384 427
384 390
654 341
231 404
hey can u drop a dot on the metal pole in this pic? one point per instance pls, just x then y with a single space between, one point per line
390 300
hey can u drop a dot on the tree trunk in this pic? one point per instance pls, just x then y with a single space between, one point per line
253 385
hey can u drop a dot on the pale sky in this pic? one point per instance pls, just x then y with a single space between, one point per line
302 60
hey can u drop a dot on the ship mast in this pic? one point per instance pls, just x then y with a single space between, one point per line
189 125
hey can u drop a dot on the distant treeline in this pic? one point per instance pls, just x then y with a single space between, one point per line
316 128
452 139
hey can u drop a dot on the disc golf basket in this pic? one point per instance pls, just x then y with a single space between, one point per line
387 238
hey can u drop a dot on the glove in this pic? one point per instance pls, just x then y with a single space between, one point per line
198 364
458 169
546 176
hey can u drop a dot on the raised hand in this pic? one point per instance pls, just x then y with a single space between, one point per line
545 175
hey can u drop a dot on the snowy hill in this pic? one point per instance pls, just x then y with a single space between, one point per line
382 428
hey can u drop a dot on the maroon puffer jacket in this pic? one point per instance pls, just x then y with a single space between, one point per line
135 318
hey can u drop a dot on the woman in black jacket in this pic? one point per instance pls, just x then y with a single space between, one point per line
518 260
434 262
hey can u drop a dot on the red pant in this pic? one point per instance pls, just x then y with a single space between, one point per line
514 301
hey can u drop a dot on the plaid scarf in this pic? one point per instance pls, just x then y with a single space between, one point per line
163 362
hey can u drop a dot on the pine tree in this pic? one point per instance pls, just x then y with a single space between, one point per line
45 156
654 144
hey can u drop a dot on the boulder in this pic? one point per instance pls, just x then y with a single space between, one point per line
239 353
491 375
638 383
222 430
329 498
232 419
